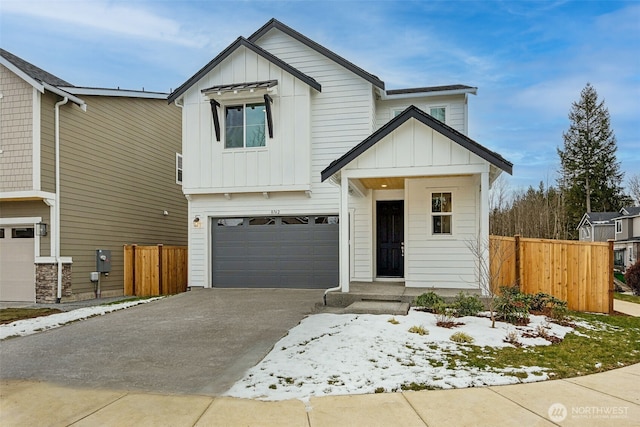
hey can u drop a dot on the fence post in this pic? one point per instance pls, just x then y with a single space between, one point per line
517 255
160 269
610 269
133 269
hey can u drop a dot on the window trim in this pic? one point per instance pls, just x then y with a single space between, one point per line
179 169
432 214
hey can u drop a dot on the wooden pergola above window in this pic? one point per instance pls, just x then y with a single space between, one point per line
237 91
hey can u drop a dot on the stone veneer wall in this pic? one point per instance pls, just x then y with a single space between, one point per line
47 282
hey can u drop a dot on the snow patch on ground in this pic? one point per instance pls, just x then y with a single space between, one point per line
335 354
43 323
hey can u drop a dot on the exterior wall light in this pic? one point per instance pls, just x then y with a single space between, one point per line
41 229
196 222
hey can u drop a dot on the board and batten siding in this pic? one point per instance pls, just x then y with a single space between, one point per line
436 260
283 164
117 179
339 117
413 144
455 109
16 133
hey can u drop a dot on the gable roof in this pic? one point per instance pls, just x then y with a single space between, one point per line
629 211
414 112
242 42
599 218
32 71
274 23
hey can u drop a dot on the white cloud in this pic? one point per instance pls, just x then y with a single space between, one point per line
127 19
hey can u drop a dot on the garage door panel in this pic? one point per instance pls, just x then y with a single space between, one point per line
277 255
17 264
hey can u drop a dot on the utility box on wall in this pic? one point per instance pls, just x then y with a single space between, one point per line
103 260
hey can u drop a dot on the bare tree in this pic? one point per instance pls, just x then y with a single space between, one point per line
491 257
633 184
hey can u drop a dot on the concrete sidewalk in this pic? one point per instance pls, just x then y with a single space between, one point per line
610 398
626 307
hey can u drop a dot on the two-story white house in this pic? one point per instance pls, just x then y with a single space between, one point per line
301 170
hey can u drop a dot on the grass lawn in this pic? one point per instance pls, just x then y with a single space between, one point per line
627 297
8 315
609 342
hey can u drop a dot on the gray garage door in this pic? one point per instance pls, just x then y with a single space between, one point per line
275 252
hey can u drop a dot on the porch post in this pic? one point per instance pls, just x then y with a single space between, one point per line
344 233
484 221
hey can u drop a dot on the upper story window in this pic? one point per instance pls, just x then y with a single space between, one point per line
439 113
441 213
178 168
618 226
245 126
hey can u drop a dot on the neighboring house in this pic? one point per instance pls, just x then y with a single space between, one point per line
118 153
626 246
597 226
302 170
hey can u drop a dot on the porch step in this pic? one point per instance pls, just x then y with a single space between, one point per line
378 307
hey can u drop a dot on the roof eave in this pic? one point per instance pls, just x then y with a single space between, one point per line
274 23
472 91
415 113
241 41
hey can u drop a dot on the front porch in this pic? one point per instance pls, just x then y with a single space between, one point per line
383 297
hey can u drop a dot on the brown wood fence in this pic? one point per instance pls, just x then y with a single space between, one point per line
580 273
155 270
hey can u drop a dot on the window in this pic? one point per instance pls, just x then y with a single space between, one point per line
1 233
22 233
438 113
441 214
397 111
618 258
245 126
178 168
618 226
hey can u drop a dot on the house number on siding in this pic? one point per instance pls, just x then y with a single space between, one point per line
275 211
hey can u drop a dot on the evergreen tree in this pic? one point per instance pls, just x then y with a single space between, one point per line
590 176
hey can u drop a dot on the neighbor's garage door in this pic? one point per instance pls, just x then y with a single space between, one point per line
17 269
275 252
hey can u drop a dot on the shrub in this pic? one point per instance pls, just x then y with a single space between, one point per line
393 321
461 337
632 277
539 301
512 338
428 300
445 315
513 306
467 305
420 330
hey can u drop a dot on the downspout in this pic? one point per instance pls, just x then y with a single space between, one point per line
56 225
334 181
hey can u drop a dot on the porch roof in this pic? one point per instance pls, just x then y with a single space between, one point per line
414 112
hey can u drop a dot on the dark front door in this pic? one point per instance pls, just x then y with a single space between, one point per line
390 238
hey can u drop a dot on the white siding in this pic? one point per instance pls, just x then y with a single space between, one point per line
284 164
414 145
454 104
436 260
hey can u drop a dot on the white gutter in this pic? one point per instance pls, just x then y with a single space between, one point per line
66 95
385 96
56 225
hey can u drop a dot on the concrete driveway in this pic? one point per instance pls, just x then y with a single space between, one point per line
198 342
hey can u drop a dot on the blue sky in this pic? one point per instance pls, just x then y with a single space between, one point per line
529 59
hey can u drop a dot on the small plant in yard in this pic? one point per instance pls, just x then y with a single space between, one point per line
632 277
428 301
420 330
461 337
467 305
513 306
445 316
512 338
393 321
